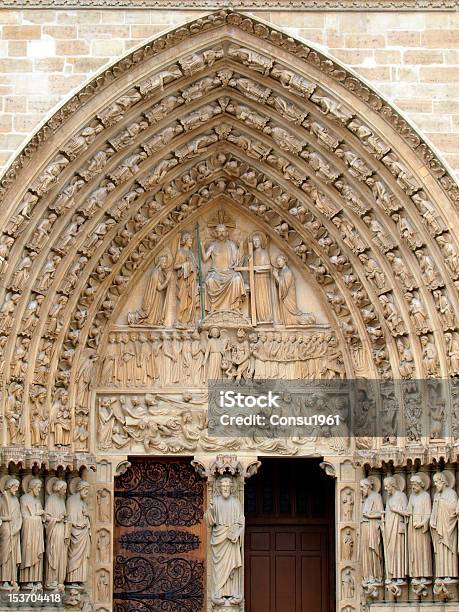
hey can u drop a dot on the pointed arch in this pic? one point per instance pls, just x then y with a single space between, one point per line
368 207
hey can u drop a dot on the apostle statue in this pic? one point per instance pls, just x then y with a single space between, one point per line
370 530
286 288
224 285
80 533
186 269
10 533
57 534
443 526
154 309
32 538
262 278
226 519
394 526
419 541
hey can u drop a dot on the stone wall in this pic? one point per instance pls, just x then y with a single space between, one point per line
412 57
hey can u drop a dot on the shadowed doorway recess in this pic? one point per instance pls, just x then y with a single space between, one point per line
289 541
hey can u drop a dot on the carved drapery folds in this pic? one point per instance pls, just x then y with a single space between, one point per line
45 534
297 155
226 476
408 534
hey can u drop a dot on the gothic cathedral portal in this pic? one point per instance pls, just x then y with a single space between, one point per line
227 203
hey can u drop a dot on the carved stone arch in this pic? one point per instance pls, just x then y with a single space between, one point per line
124 90
307 144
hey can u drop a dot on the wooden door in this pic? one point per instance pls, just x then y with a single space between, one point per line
289 540
159 538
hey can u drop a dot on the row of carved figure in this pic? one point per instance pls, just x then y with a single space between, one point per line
417 314
181 357
47 545
327 107
415 537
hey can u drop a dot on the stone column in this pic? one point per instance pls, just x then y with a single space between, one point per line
226 475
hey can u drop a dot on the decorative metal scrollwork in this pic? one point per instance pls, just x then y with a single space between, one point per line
169 542
159 569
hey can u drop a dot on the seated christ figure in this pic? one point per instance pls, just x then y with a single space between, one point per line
224 285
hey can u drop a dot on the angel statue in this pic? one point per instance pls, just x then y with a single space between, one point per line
226 520
156 300
286 289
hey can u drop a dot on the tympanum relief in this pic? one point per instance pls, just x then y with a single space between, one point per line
220 300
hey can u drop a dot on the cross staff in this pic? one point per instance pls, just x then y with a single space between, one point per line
201 293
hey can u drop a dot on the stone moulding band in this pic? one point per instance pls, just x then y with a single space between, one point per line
279 5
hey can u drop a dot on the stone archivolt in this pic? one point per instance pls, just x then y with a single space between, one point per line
294 152
292 147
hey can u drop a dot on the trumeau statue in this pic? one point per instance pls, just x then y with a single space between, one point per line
80 532
10 533
32 537
226 520
443 526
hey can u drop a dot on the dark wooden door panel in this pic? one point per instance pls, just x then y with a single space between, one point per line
289 545
159 538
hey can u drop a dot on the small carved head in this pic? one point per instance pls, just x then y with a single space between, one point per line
83 489
365 487
12 485
225 487
281 260
440 481
214 332
417 484
187 240
35 487
390 485
221 231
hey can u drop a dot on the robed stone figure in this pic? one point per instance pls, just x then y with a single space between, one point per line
10 533
395 531
57 535
155 303
186 270
226 519
80 534
32 537
419 542
224 284
262 279
370 532
286 288
443 526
